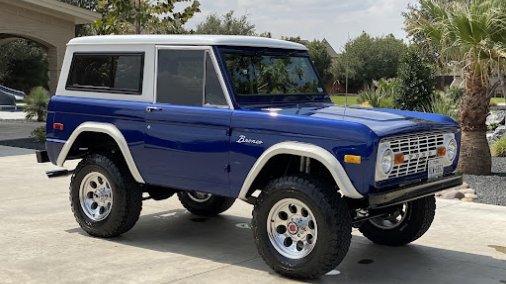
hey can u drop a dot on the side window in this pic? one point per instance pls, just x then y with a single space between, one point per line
214 93
180 78
115 73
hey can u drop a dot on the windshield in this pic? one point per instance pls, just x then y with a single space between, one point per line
272 75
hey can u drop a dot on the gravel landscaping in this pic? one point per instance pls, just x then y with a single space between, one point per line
490 189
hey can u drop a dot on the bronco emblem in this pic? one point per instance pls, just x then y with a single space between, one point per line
243 139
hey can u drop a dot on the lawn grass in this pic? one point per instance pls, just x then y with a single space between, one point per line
497 100
340 100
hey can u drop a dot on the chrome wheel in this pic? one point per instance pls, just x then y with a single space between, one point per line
392 220
95 196
292 228
199 197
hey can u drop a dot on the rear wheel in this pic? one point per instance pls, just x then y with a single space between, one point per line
302 226
204 204
105 199
406 224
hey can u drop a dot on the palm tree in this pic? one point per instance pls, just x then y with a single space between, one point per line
36 103
472 33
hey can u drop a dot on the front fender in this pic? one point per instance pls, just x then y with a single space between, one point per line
306 150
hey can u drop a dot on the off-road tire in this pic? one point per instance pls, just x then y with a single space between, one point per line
212 207
127 196
330 213
419 217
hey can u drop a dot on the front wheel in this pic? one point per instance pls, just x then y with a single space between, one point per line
204 204
407 223
302 226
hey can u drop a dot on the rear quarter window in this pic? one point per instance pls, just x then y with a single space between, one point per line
111 73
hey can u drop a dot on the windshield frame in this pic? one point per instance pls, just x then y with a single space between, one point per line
263 99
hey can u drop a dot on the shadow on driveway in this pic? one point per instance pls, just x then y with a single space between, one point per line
228 239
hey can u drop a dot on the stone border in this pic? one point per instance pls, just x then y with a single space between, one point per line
462 192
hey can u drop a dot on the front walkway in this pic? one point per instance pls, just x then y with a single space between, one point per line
12 115
41 243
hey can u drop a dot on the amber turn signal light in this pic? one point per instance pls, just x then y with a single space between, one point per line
352 159
399 158
441 151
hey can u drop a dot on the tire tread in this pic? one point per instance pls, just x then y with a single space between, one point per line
129 214
330 201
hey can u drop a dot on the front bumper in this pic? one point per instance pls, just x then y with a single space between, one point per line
412 192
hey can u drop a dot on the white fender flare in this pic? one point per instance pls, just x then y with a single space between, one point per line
305 150
110 130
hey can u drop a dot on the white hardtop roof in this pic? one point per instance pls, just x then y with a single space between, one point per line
230 40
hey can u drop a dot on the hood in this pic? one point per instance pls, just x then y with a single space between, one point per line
383 122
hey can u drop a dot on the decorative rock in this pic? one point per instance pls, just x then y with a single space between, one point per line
498 133
470 195
461 187
452 194
466 190
496 117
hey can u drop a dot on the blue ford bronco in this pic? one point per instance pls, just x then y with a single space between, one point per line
219 118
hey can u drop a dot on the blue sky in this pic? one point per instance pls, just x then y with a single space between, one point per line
310 19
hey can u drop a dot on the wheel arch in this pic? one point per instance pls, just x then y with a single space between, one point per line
104 129
299 149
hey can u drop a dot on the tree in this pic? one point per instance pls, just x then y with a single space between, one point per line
23 65
83 29
226 24
416 81
318 52
367 58
472 33
36 104
143 16
85 4
321 59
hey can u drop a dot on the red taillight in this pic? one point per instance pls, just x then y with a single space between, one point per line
58 126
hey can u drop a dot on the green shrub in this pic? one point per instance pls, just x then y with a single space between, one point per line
416 81
455 94
387 103
441 103
39 134
369 96
498 149
36 104
383 95
386 87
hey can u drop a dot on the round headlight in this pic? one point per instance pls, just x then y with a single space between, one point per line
451 150
387 161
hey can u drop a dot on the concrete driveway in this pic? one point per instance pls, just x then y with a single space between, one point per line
41 243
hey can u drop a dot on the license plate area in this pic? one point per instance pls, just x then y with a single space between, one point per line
435 168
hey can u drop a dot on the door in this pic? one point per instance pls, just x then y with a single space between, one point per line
187 127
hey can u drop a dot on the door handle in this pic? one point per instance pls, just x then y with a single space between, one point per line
153 108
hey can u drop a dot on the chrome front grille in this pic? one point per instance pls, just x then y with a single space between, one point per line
417 149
